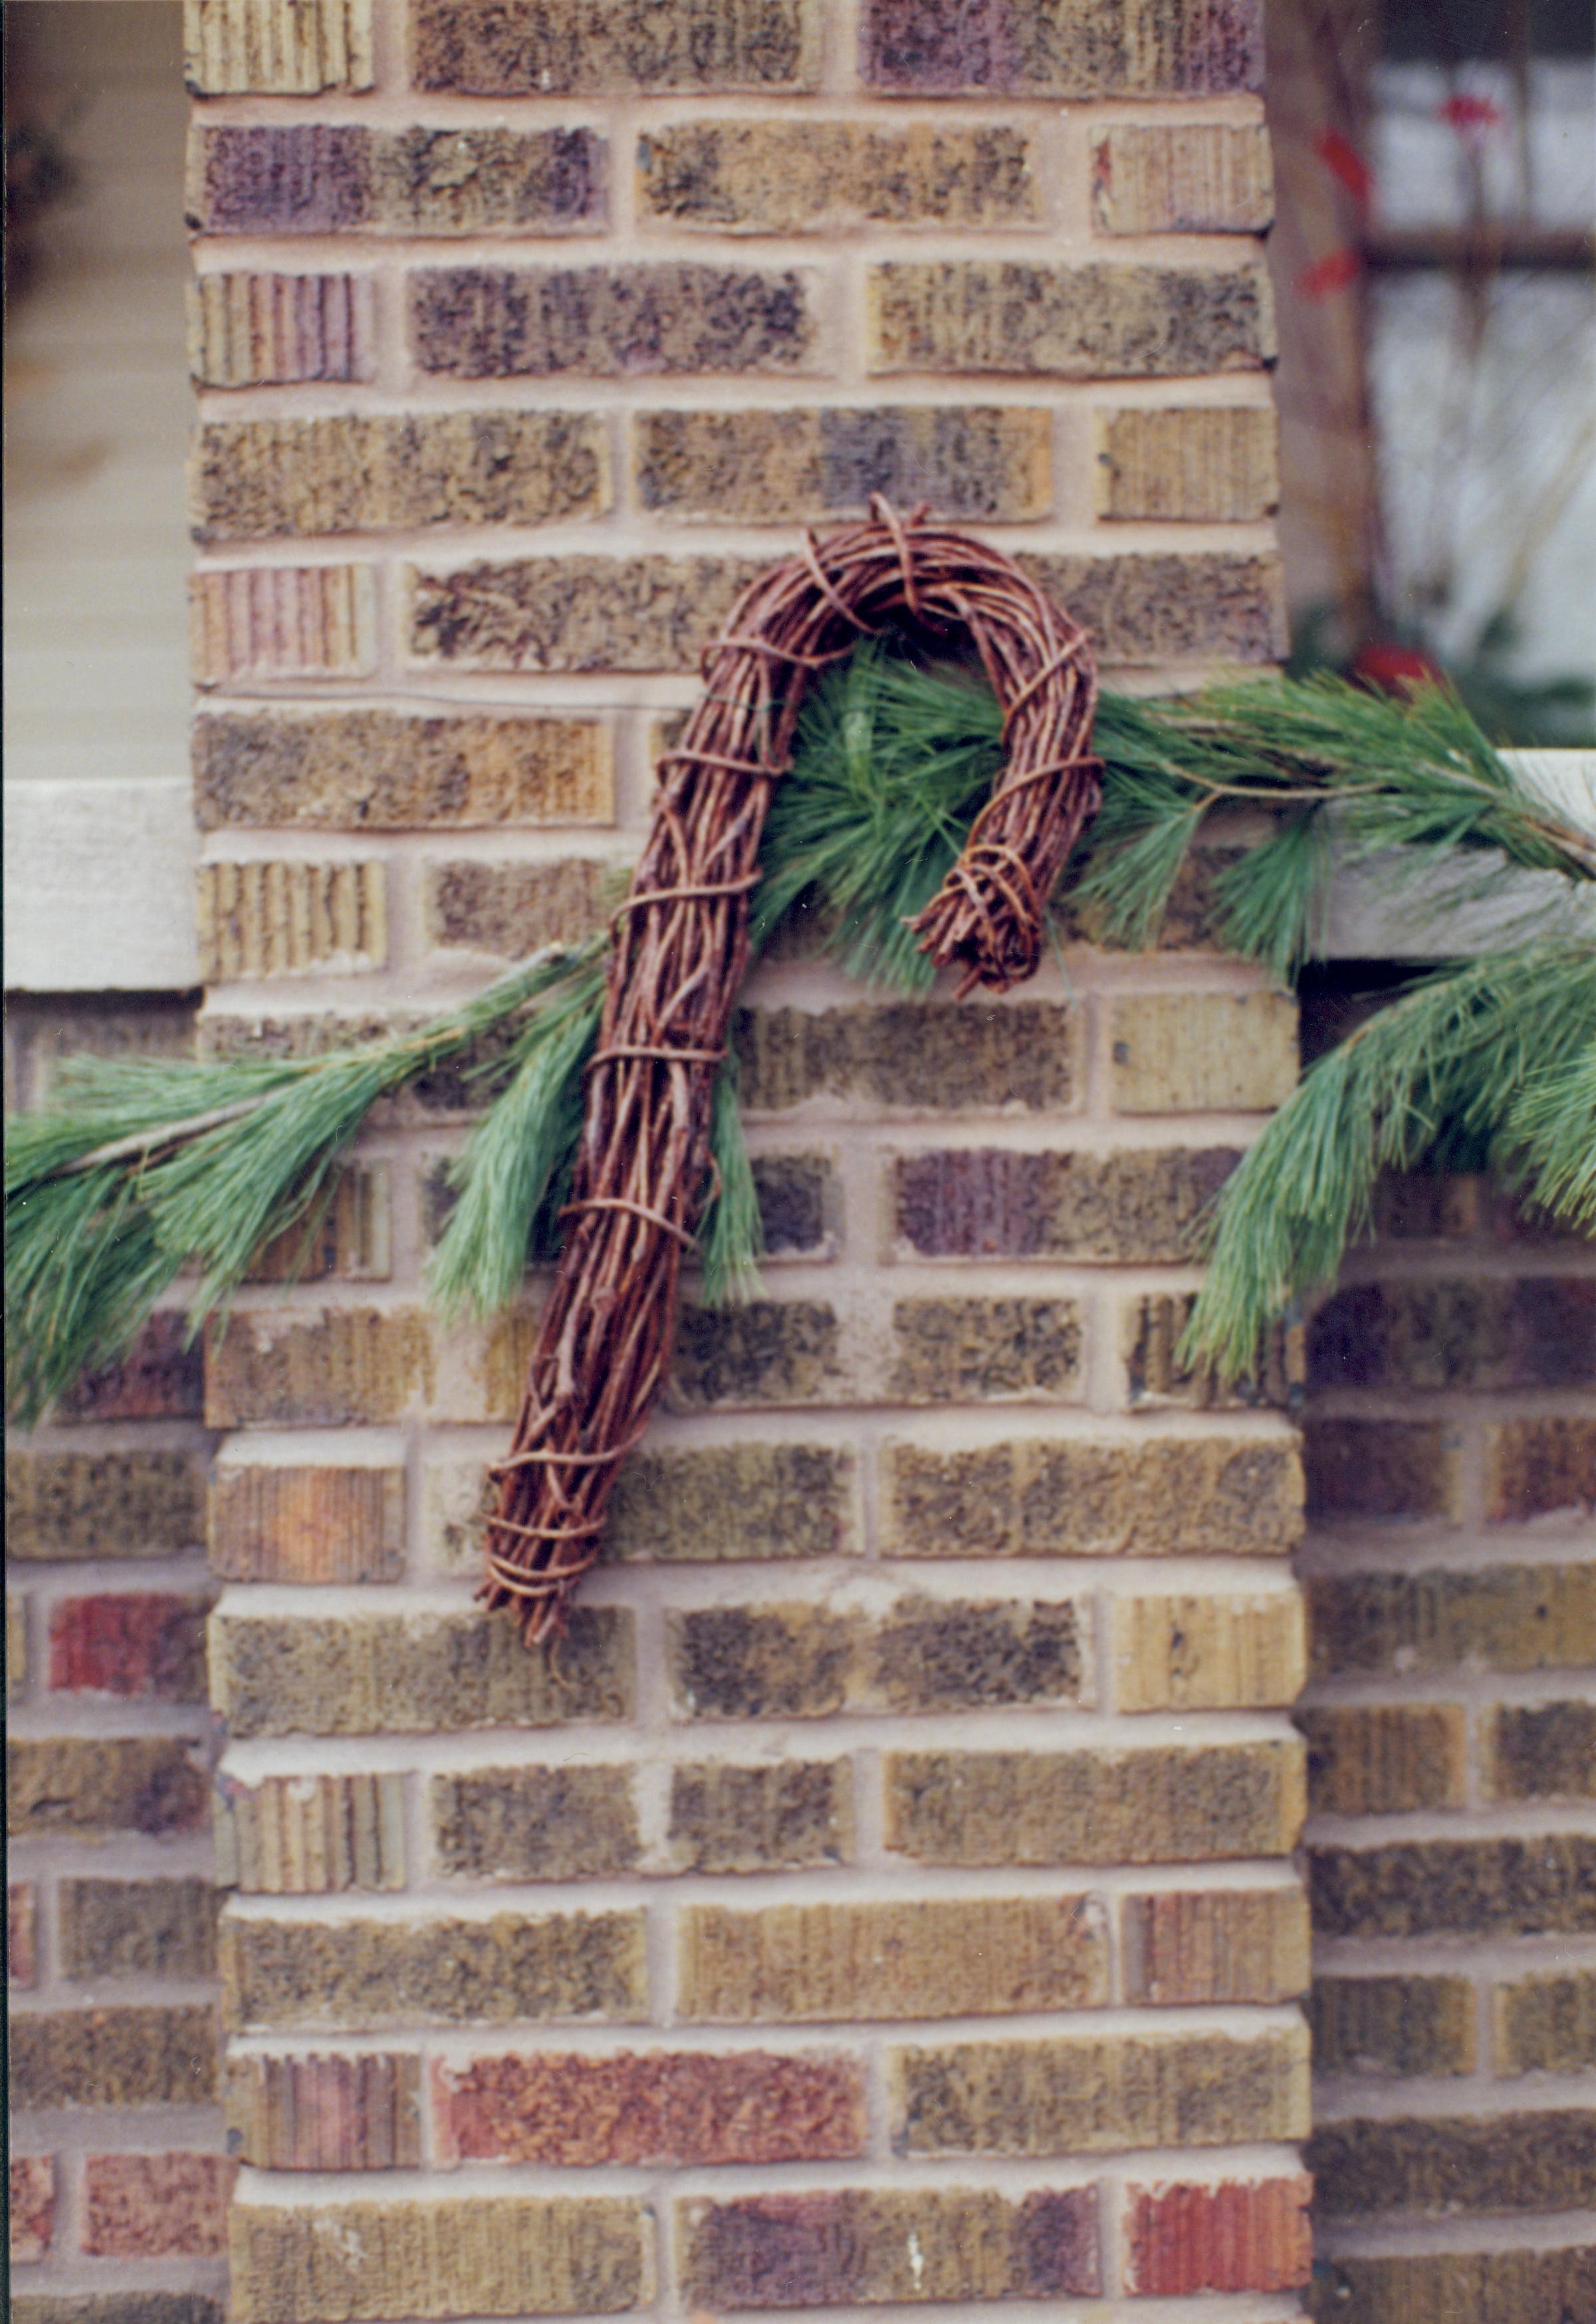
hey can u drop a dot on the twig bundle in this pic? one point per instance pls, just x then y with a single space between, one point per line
680 949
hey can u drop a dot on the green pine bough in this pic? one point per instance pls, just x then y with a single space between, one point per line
138 1174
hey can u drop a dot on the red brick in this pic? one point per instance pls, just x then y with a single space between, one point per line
130 1643
32 2207
156 2206
161 1378
667 2108
1229 2238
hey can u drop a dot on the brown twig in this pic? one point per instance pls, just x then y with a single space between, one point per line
679 954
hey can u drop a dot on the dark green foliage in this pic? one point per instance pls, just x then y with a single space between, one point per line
138 1171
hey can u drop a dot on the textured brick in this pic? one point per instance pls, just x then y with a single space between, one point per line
1504 1617
127 2057
1358 1469
1393 2025
1082 1497
1384 1759
1505 2163
658 613
1201 463
352 1241
259 331
929 1957
32 2205
1542 1751
161 1378
142 1642
137 1928
513 908
975 1351
333 1367
1150 1331
104 1784
1183 177
406 1672
1538 1466
384 770
926 1056
812 177
1097 2094
779 468
305 1835
535 1824
871 2246
117 2308
1161 1805
281 621
1489 2287
16 1644
354 1975
767 1352
1189 1052
156 2206
613 48
277 47
69 1506
279 919
1482 1331
323 178
279 1524
1545 2025
21 1935
268 479
661 2108
1096 321
576 612
1035 48
1196 1945
361 2113
1254 2236
1543 1886
989 1201
922 1655
783 1817
799 1205
610 322
1214 1652
484 2255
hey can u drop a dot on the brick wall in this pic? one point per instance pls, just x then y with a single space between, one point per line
118 2177
1451 1459
887 1895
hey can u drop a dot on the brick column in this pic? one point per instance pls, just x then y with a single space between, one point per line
886 1896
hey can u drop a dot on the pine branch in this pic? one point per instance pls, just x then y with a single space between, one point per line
1465 1051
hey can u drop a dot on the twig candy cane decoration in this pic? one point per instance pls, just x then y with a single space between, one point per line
679 952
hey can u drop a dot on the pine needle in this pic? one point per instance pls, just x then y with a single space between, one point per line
1498 1051
731 1235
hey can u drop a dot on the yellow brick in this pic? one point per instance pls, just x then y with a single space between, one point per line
306 1524
476 2256
282 621
1183 177
1213 1652
930 1957
305 1835
1193 1052
1216 461
277 47
285 919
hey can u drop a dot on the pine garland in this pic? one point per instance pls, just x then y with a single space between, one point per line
138 1172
